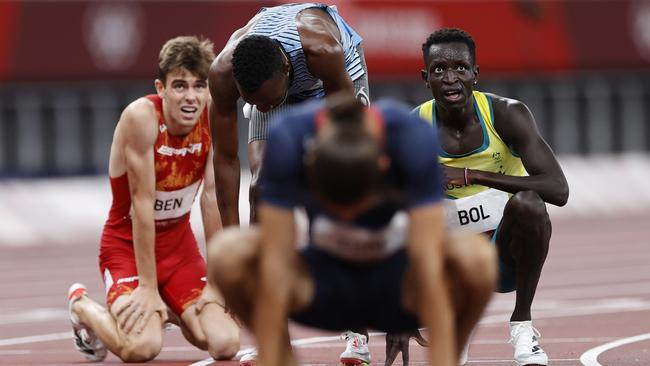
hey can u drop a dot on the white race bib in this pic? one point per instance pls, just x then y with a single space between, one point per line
173 204
478 213
360 244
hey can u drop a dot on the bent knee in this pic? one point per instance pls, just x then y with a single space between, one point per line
140 350
229 248
223 346
527 205
475 262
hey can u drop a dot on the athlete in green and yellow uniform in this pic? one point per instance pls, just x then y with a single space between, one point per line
493 155
500 173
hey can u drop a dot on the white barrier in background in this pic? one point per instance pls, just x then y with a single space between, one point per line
59 211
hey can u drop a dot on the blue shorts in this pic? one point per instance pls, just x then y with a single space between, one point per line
507 273
351 295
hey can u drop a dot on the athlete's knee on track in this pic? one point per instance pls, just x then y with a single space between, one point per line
223 345
215 332
230 251
140 349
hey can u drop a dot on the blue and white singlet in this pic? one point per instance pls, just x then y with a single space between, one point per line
279 23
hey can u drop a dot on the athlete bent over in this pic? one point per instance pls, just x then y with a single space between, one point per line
378 254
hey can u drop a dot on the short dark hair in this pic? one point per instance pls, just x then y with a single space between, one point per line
342 166
450 35
255 59
189 52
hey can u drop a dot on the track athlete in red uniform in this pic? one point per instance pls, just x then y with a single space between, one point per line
149 259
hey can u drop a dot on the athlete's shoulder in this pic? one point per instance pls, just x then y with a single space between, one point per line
505 105
424 110
512 118
508 111
140 119
141 108
318 31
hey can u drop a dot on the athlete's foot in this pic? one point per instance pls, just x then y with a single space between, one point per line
356 350
524 338
84 339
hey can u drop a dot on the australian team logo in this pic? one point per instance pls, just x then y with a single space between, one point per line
496 158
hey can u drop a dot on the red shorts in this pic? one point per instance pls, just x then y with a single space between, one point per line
180 268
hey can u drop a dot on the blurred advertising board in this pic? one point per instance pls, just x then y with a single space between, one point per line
98 40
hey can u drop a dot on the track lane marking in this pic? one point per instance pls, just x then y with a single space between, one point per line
590 358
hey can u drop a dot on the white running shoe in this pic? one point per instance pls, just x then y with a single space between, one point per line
523 336
356 349
248 359
84 339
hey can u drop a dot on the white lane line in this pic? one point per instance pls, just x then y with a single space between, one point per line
590 358
34 316
15 352
36 338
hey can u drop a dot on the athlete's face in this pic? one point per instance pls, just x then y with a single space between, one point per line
184 96
450 74
271 93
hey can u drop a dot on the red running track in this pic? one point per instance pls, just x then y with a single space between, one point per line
595 290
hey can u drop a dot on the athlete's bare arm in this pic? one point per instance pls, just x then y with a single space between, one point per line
208 201
223 126
516 126
432 300
320 37
136 133
211 225
277 255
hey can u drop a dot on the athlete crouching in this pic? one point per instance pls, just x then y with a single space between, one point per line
378 254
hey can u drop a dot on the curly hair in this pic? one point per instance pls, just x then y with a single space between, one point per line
256 59
450 35
188 52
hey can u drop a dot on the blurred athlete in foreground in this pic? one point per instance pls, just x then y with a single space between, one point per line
378 254
499 173
149 259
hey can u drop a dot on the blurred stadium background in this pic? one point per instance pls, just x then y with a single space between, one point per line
68 68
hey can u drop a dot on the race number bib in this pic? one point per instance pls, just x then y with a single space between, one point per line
478 213
173 204
360 244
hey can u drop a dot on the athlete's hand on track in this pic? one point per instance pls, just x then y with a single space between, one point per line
135 313
399 342
453 175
